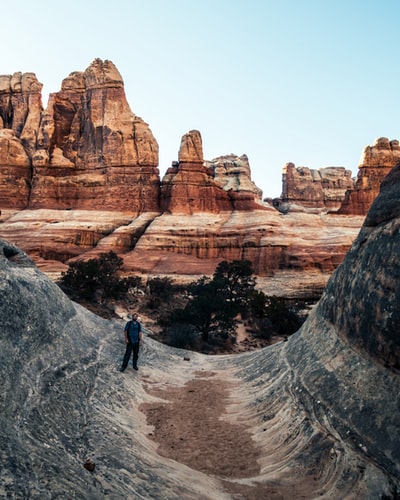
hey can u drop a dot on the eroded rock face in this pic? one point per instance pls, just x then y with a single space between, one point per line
313 190
92 150
86 150
192 185
272 242
232 172
188 186
15 171
20 109
87 159
375 163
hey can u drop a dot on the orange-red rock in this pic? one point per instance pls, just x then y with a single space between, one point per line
192 185
313 190
92 151
375 163
20 108
85 171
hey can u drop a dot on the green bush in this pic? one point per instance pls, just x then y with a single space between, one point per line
285 321
94 278
213 304
182 336
161 290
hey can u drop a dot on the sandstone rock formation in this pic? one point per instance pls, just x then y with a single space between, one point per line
86 150
375 163
232 172
192 185
92 150
20 109
188 186
174 244
372 324
81 177
307 243
313 190
321 408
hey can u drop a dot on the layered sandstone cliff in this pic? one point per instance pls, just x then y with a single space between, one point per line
313 190
92 151
20 112
85 171
375 163
193 185
86 150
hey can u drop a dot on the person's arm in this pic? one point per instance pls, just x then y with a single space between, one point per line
126 334
140 333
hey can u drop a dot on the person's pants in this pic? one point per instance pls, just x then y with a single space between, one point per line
129 349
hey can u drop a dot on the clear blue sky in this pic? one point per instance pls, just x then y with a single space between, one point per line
306 81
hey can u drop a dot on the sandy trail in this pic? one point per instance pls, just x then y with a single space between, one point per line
191 425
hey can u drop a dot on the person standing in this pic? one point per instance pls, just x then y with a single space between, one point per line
133 339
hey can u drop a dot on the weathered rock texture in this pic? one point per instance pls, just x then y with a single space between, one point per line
83 175
372 325
232 172
20 111
178 244
192 185
86 150
174 244
322 408
376 162
92 150
313 190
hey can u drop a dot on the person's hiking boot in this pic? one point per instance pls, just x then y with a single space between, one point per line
122 369
135 368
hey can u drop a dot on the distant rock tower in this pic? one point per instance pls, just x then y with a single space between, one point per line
375 163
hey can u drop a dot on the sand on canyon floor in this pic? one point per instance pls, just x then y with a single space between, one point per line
192 425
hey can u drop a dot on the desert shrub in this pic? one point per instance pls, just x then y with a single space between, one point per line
133 288
161 291
235 282
182 336
285 321
96 278
263 328
213 304
206 310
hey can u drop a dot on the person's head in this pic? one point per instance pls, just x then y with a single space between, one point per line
135 316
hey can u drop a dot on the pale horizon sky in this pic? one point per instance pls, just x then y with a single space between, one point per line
305 81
